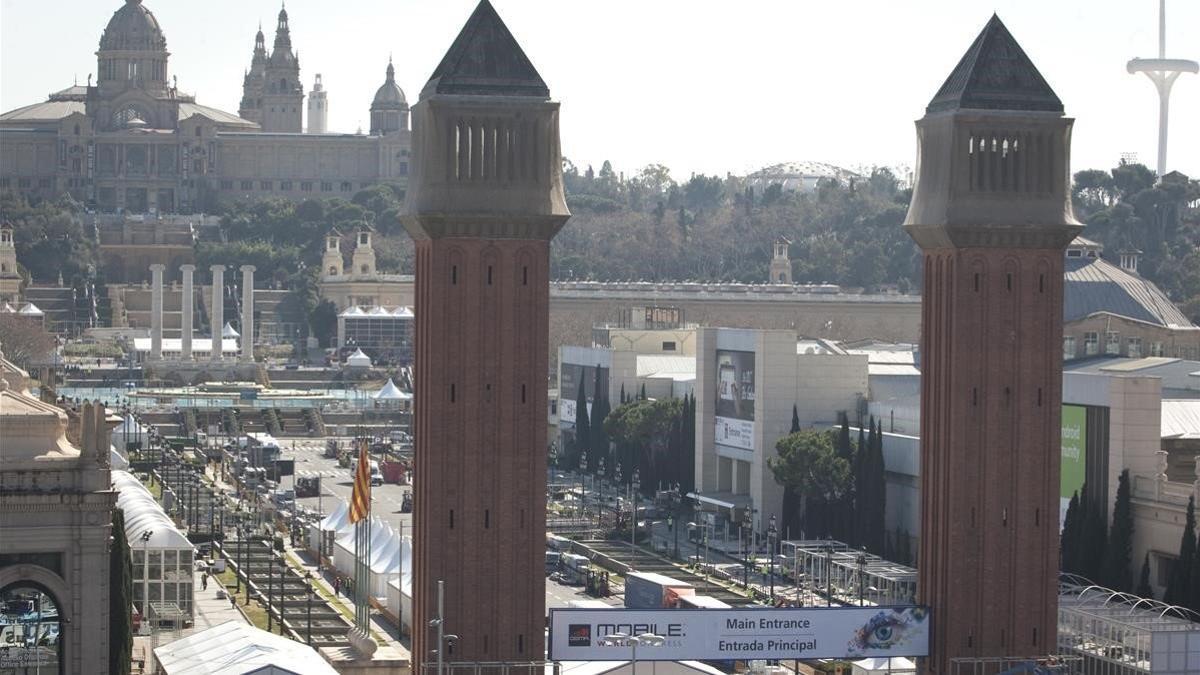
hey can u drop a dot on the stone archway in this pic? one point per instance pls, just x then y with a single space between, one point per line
47 582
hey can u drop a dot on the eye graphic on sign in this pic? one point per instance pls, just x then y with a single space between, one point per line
886 630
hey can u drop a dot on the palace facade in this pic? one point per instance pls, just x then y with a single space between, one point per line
134 142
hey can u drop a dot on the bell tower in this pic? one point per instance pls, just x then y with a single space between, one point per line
781 262
991 211
283 94
331 260
484 200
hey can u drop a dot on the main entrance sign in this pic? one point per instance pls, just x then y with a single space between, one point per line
742 634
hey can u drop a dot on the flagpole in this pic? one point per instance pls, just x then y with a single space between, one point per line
360 515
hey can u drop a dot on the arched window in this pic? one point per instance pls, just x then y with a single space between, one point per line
197 132
29 608
76 129
364 269
282 84
332 271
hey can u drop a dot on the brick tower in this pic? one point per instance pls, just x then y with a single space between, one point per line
484 201
992 212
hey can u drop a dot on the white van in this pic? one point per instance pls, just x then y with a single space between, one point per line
376 474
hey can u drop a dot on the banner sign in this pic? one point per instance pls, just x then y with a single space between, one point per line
1074 456
741 634
734 417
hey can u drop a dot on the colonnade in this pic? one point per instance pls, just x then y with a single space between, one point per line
218 312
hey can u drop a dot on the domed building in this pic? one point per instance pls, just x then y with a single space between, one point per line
389 110
132 141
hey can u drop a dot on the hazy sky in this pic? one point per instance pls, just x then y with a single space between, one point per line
698 85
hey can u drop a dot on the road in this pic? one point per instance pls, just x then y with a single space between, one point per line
337 484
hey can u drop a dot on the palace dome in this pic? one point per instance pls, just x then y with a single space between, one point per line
133 28
389 95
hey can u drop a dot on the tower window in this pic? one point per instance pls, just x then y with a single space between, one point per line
452 519
487 518
452 393
454 274
977 282
525 276
1008 281
489 275
522 393
1041 283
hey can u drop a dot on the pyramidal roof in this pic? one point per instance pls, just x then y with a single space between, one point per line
485 60
995 74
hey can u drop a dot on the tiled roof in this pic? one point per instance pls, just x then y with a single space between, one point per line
46 111
186 110
1096 285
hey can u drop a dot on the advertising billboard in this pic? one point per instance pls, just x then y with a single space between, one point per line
1074 456
742 634
574 376
735 399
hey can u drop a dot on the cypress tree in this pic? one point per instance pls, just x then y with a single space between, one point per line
1143 587
642 395
844 519
583 430
878 492
1093 541
796 419
1179 585
623 401
1069 536
862 497
1119 550
120 598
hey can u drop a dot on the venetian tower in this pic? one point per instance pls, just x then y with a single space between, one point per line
991 210
254 81
484 201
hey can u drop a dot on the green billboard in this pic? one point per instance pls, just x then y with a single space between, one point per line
1074 455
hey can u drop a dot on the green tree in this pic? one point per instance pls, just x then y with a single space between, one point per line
323 322
644 428
1143 588
120 598
1179 585
1069 537
1119 550
807 461
583 428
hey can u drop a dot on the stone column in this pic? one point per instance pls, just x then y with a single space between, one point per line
218 309
248 313
156 311
186 307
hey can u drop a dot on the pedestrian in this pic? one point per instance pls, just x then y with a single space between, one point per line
204 582
337 585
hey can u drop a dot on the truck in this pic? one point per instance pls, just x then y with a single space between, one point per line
701 602
649 590
574 569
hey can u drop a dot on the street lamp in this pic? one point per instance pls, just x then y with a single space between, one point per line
308 604
746 525
600 507
146 629
636 485
862 563
676 500
282 576
583 471
772 532
270 585
633 641
828 548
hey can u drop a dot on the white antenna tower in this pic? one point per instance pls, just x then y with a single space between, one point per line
1162 72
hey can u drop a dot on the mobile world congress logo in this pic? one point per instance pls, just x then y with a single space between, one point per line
579 635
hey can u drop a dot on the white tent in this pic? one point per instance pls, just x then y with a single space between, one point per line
229 332
116 460
896 665
390 392
31 310
358 360
128 430
235 648
399 586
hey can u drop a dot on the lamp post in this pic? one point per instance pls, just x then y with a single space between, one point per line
308 598
600 506
270 586
146 629
828 575
282 575
633 641
746 525
862 563
676 501
772 532
636 485
583 470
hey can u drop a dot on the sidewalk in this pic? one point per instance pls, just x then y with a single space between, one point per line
208 611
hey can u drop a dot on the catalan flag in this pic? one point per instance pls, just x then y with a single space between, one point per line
360 498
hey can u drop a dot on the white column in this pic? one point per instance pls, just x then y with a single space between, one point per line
218 309
248 313
156 310
186 307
